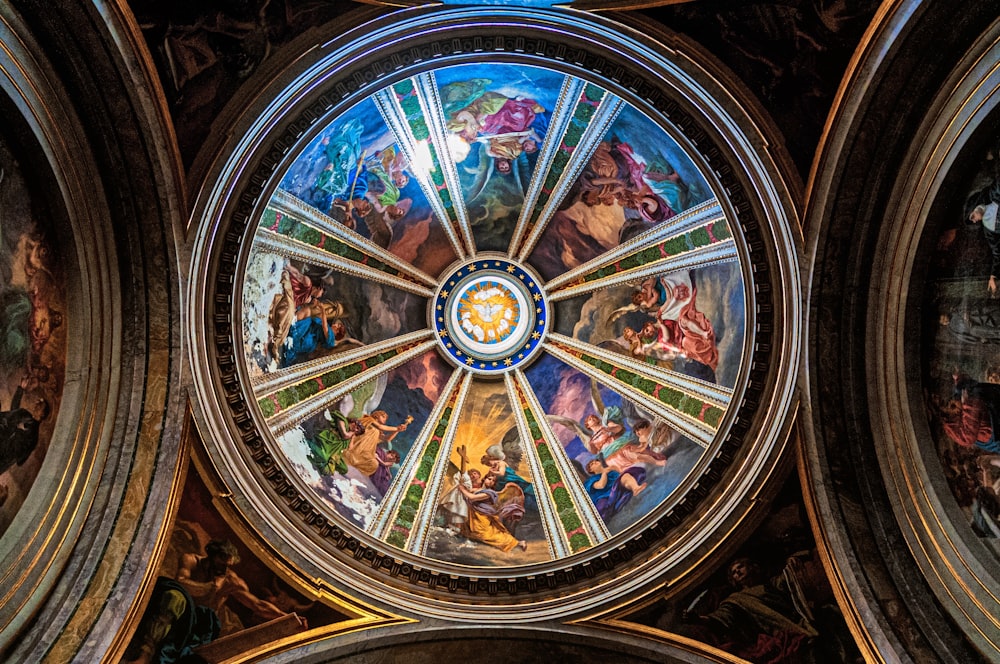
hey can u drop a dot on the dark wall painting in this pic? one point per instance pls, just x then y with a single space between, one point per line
213 598
204 51
33 333
754 39
962 342
770 602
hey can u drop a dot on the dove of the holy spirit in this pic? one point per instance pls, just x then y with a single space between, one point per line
488 312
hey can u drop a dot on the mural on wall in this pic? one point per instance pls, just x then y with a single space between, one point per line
628 185
497 117
485 329
295 312
351 452
33 347
770 602
962 365
213 598
755 40
487 509
627 459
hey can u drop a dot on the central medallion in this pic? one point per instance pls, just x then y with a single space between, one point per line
490 315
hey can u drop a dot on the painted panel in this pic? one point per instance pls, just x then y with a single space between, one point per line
635 178
34 336
628 460
350 452
212 594
690 321
295 312
487 511
356 173
770 602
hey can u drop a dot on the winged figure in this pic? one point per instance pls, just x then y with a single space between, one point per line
487 311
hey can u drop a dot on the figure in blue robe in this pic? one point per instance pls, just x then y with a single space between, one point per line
307 335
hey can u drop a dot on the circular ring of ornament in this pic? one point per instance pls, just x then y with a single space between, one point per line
489 315
494 334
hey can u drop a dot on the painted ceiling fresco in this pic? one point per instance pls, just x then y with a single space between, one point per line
494 316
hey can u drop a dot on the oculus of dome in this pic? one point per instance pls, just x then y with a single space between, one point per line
490 315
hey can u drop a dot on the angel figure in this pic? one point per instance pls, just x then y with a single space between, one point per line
598 431
326 451
650 344
361 452
671 300
496 460
505 148
503 128
612 489
609 439
656 344
634 451
385 177
391 165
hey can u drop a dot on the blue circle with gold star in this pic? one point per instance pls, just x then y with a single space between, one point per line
490 315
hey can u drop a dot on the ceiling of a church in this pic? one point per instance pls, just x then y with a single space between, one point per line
401 328
495 315
500 281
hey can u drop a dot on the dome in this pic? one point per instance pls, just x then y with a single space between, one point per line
490 324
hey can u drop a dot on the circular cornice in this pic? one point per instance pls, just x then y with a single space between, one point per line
959 568
92 135
682 98
864 435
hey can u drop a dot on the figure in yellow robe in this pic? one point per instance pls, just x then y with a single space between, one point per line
486 516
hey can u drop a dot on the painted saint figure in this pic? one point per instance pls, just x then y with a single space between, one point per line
297 291
672 299
453 508
194 609
326 451
316 326
611 490
488 511
361 451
